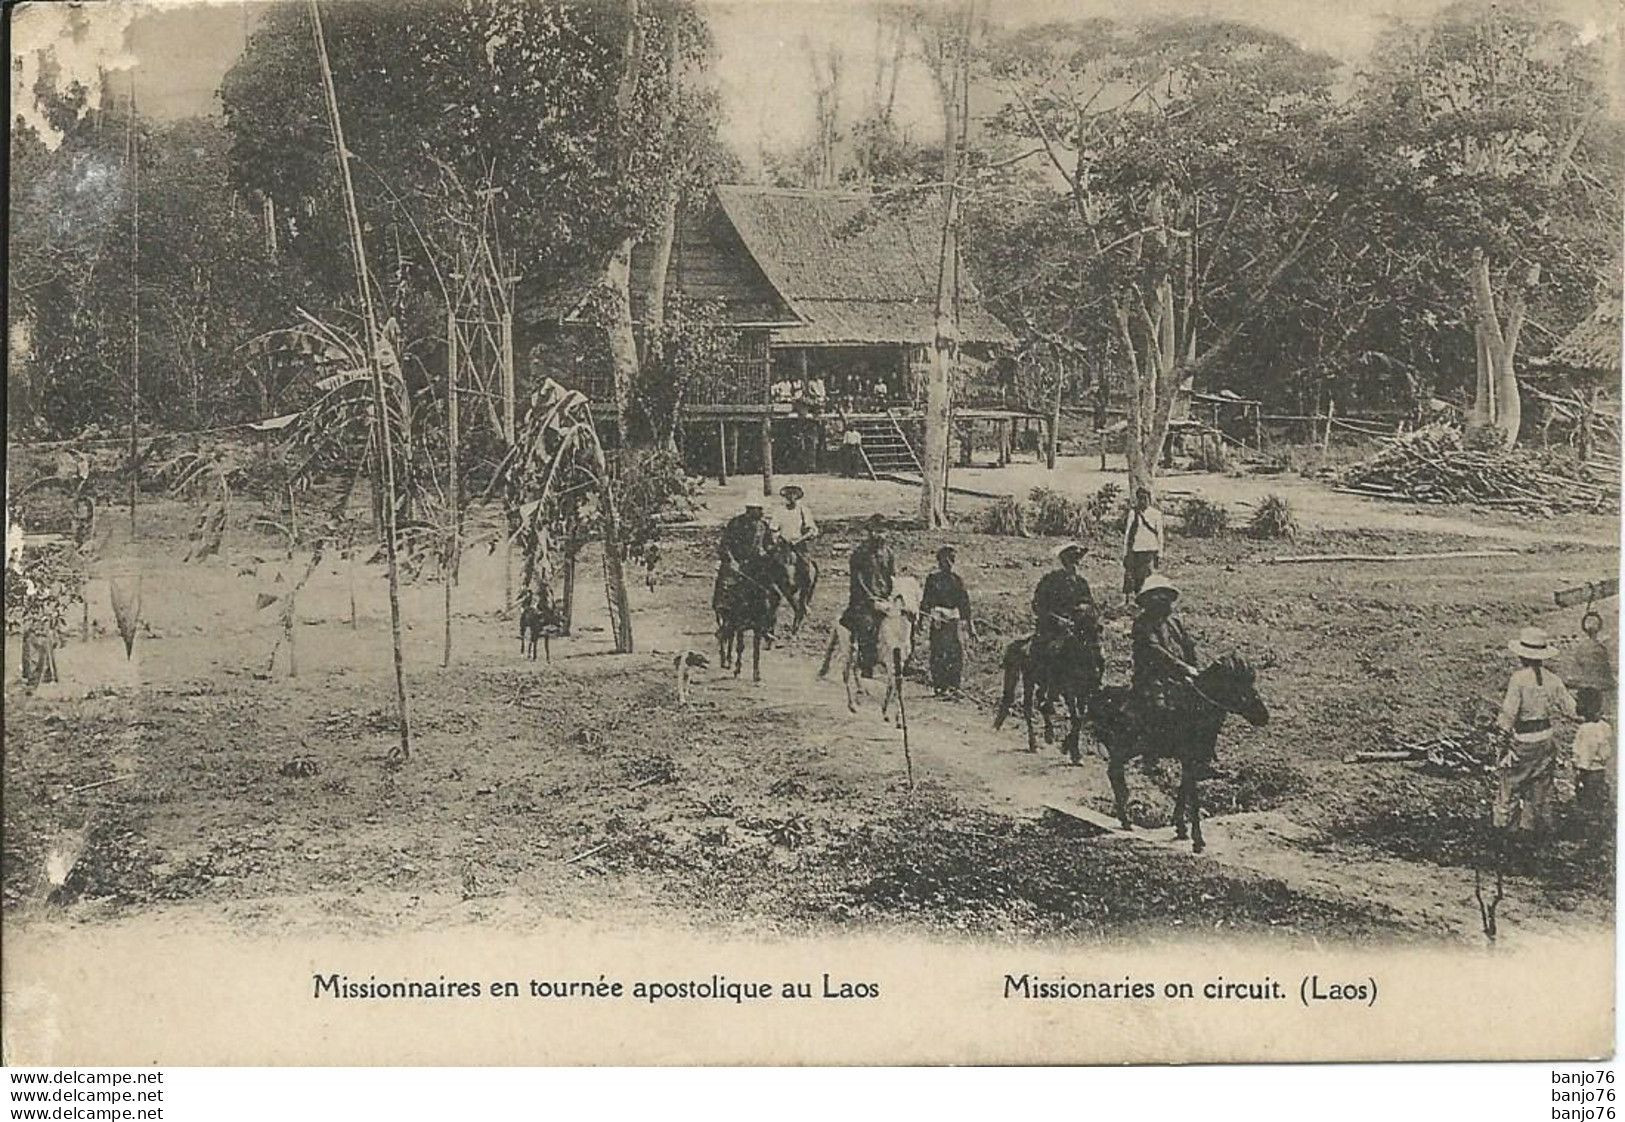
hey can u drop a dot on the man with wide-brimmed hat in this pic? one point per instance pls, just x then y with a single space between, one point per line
872 568
1527 767
1061 593
744 539
794 525
1164 661
1062 603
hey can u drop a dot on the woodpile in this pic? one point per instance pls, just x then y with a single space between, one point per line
1471 753
1435 465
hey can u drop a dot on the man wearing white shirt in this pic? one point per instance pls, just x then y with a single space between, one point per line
795 524
1142 544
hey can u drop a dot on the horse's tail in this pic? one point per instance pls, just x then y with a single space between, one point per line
1015 657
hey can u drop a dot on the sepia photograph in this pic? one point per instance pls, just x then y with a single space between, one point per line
811 531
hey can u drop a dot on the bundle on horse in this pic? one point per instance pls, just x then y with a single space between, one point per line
748 599
1186 731
1067 669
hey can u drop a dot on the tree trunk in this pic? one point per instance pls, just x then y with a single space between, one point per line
1054 448
945 342
654 303
1497 402
623 345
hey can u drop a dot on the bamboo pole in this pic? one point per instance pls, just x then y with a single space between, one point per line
455 548
509 424
134 157
403 751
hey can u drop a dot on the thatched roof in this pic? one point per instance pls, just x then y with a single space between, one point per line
855 270
1593 346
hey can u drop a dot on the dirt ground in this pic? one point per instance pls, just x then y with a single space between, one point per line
163 785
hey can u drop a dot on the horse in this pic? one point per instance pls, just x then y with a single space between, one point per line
539 619
801 593
894 644
749 601
1189 730
1071 673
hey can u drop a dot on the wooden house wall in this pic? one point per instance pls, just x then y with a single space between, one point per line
709 262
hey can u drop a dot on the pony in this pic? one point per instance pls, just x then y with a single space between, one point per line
539 619
894 645
749 601
801 592
1070 672
1186 732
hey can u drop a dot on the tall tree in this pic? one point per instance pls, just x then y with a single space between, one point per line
1186 149
565 109
1487 126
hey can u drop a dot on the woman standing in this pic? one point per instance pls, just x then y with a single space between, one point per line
1527 766
947 604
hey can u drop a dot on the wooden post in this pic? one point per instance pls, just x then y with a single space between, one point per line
767 432
135 314
287 630
509 429
341 154
733 449
1331 412
567 605
1054 443
1258 426
455 547
722 452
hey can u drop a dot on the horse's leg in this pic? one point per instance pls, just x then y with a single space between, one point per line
756 656
1012 674
1027 687
547 648
739 650
1181 807
1193 807
1075 732
1119 781
829 651
848 669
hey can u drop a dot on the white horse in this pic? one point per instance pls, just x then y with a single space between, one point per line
899 618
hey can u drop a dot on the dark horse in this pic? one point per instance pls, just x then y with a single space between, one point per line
800 592
1070 671
1187 732
749 601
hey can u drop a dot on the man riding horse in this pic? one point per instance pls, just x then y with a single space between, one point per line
1064 608
795 526
1165 666
872 567
744 541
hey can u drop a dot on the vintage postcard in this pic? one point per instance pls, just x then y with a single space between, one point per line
811 531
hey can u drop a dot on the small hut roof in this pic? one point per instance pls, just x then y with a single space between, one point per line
857 270
1593 345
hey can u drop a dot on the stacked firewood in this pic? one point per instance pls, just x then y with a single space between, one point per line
1435 465
1458 754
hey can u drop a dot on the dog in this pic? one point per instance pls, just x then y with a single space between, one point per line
682 664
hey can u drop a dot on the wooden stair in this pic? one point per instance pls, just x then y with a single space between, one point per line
886 450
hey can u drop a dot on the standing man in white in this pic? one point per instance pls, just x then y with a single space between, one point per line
1142 544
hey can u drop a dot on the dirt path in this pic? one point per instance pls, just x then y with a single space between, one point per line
954 742
1316 505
